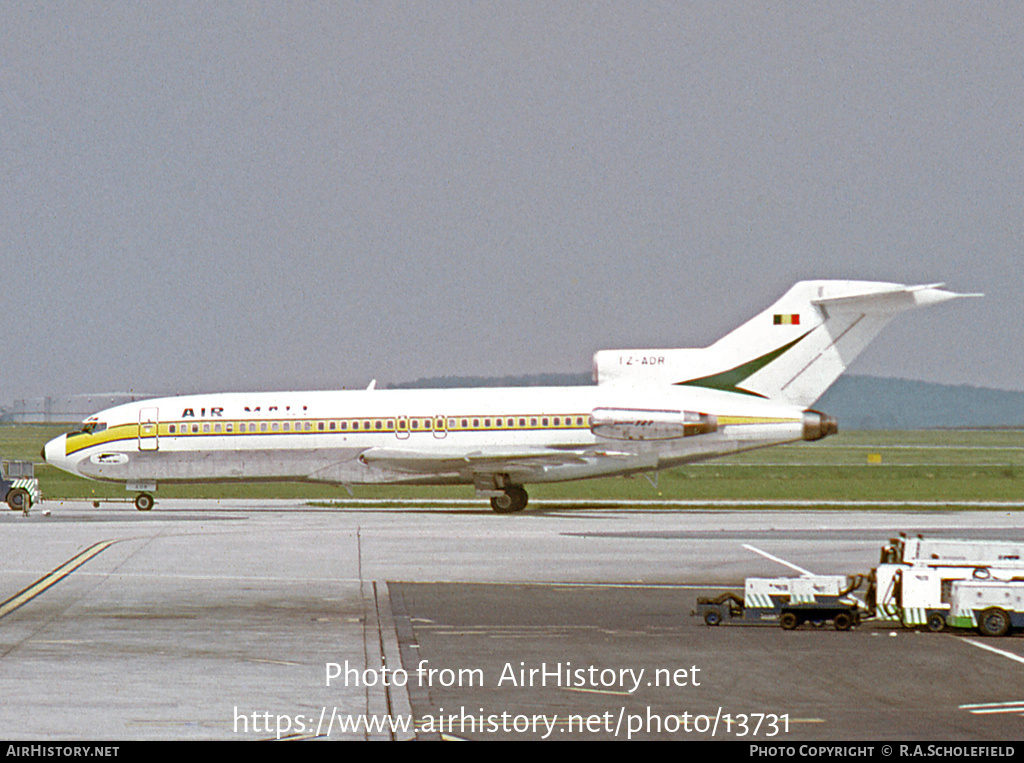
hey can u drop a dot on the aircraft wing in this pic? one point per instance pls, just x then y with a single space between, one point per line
519 462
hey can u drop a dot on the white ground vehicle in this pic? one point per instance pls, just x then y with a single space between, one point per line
914 583
816 599
920 550
994 607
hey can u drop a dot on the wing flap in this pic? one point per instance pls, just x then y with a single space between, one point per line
480 461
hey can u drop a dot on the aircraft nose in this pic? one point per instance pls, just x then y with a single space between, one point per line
53 452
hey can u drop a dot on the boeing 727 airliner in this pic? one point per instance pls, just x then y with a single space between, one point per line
649 410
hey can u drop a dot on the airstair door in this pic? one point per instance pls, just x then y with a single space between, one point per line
149 429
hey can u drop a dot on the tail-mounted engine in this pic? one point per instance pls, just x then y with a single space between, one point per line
648 424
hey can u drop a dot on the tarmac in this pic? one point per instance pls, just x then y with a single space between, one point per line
281 620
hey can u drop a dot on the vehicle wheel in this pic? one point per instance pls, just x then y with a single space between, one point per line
936 622
842 621
513 500
789 621
994 622
144 502
712 617
19 499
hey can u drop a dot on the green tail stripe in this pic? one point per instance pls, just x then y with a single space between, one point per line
729 380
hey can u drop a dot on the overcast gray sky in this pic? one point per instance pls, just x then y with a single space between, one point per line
217 196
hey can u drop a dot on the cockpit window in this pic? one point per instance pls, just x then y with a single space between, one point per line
92 427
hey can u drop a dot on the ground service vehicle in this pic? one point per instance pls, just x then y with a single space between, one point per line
914 583
18 484
790 602
994 607
921 550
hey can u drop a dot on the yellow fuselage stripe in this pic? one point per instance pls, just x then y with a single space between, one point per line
77 441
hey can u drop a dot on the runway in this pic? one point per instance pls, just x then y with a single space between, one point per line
224 620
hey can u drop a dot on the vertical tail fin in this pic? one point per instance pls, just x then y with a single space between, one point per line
792 352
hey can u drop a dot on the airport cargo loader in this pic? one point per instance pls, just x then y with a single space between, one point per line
914 583
18 485
994 607
920 550
790 602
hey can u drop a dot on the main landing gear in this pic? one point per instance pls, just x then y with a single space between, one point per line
513 499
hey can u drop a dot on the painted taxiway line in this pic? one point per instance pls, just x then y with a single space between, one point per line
1000 652
53 577
684 503
993 708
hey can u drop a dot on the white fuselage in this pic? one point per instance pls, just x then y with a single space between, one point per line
649 410
423 436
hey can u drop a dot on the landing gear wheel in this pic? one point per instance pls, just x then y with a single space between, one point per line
842 621
712 617
936 622
144 502
789 621
994 622
513 500
18 499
